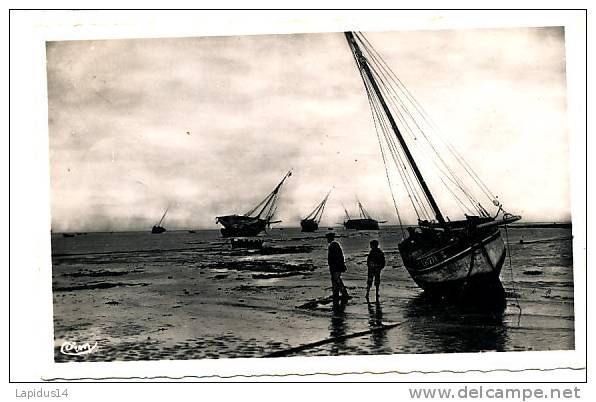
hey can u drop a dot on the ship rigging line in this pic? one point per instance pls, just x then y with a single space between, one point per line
406 125
386 71
398 105
394 97
317 213
449 175
391 140
269 203
405 173
401 227
412 190
483 187
377 118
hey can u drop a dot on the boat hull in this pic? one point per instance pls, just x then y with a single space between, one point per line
308 225
240 225
361 224
471 264
157 230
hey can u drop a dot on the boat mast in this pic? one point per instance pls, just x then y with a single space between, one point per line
346 211
363 213
164 215
317 213
362 62
271 198
322 208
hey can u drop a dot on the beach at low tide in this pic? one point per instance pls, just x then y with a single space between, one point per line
181 295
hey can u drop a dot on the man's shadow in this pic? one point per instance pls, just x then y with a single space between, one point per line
338 327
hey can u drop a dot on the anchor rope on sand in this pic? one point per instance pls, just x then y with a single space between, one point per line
289 351
511 274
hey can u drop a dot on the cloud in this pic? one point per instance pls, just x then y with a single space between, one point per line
209 125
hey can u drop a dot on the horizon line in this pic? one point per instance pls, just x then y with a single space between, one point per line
280 227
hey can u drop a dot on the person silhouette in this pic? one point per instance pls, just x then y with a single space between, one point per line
375 262
337 265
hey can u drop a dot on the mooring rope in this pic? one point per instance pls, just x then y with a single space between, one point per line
299 348
511 274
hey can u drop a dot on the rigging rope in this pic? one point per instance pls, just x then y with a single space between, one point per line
389 140
392 97
386 168
385 74
405 173
511 274
378 123
378 120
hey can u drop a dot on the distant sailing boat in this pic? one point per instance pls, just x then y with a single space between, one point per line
441 256
364 222
249 224
158 229
311 222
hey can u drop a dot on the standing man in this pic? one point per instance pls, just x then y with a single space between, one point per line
337 265
375 263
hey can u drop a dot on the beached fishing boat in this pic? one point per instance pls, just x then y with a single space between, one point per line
442 256
311 222
364 222
157 228
256 219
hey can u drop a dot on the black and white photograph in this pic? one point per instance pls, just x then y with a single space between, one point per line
282 195
347 192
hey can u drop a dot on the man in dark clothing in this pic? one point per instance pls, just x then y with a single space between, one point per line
375 263
337 265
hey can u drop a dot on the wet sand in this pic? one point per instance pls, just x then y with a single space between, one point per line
183 295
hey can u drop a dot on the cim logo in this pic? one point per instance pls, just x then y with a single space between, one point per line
75 349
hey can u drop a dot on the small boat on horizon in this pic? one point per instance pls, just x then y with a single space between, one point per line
157 228
364 222
251 224
311 222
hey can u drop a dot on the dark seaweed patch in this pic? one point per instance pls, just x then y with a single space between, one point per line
279 275
263 266
100 273
270 250
97 285
533 272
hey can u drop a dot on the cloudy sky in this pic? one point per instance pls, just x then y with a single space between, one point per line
210 125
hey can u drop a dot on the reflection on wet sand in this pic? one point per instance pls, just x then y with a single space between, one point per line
469 325
375 320
338 327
